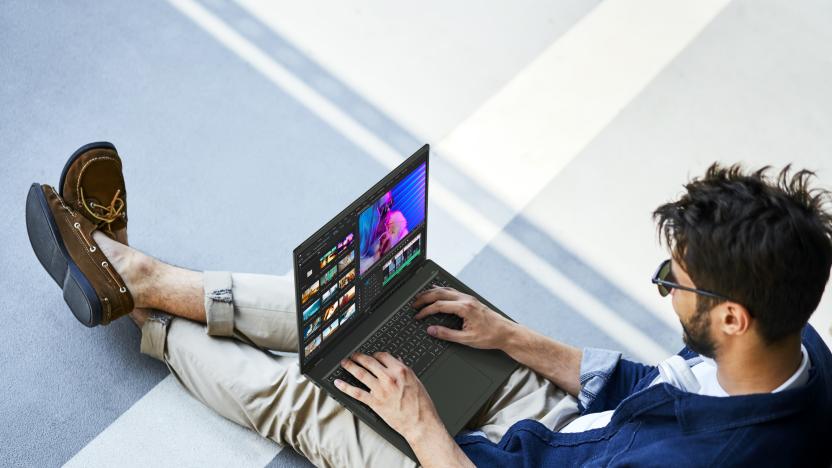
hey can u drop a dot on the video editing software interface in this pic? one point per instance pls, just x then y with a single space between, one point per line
343 272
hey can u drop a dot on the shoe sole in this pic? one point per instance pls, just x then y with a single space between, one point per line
49 247
76 154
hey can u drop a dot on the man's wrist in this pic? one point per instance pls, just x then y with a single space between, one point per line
431 440
420 432
513 337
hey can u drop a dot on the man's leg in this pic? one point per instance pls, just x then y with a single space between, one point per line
241 382
526 395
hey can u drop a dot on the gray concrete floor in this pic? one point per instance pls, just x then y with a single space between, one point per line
224 168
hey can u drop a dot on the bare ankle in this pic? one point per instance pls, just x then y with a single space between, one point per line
139 316
135 268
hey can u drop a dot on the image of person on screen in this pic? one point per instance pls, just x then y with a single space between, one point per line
396 230
373 226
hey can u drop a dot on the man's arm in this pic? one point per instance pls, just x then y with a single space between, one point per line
557 362
485 329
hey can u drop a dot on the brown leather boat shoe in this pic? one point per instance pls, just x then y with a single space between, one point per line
62 241
92 184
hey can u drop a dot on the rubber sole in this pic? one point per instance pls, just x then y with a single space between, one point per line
76 154
51 252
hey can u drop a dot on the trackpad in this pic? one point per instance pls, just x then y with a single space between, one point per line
455 387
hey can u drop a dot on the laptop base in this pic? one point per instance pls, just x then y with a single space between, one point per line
460 381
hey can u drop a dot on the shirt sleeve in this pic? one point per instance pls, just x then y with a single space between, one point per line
606 379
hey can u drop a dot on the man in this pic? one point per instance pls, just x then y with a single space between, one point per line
750 258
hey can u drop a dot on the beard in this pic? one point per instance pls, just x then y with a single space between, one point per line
697 332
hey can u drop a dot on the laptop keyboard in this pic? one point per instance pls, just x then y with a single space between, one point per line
406 339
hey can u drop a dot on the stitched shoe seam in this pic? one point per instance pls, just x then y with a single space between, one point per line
87 163
65 213
97 266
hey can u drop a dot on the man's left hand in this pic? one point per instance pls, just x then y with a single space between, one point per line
396 394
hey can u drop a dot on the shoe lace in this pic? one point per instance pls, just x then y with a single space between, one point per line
106 214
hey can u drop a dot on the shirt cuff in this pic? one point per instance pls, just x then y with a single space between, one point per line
597 365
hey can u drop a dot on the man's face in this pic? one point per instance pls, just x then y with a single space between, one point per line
692 312
393 227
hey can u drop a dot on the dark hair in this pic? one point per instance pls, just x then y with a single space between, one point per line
765 243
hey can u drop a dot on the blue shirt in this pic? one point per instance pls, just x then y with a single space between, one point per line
664 426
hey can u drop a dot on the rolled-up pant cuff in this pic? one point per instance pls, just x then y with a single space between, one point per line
155 335
219 305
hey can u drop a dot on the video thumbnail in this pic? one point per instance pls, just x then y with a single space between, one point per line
312 345
310 291
347 297
329 275
342 246
349 313
329 293
346 279
331 328
328 257
330 311
390 219
345 262
311 310
330 254
311 327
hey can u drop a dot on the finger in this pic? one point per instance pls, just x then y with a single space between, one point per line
448 307
361 395
363 375
397 369
371 364
447 334
387 359
435 294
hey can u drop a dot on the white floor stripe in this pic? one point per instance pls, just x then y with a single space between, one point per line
163 422
536 124
168 427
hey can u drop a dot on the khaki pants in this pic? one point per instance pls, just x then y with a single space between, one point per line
230 370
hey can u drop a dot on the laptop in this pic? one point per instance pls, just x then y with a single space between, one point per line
355 281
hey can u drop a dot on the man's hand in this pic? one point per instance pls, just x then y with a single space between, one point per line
485 329
396 394
399 397
481 327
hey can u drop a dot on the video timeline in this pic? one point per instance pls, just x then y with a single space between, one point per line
402 259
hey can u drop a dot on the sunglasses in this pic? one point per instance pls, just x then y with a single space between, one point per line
663 278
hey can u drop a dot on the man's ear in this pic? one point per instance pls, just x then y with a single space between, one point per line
734 318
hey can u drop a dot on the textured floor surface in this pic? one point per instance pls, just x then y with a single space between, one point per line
557 127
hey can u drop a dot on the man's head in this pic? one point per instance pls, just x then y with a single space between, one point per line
396 223
763 243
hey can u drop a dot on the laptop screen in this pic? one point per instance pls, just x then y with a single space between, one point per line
352 263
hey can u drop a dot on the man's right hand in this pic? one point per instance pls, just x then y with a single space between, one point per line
485 329
481 328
